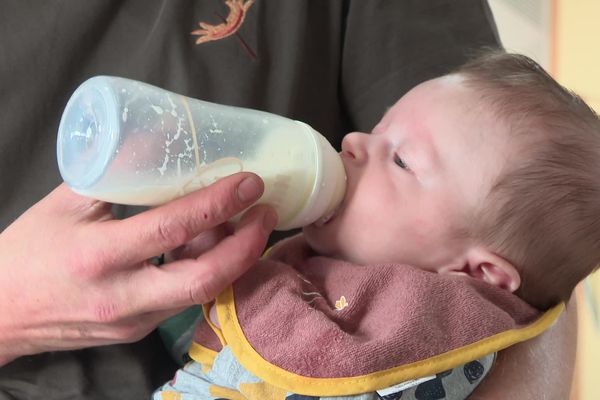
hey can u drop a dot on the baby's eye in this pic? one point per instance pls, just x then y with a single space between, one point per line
398 161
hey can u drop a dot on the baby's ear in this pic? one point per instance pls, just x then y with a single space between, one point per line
480 263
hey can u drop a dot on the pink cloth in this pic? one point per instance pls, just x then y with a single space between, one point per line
392 315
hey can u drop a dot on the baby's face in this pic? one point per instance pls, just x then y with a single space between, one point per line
415 179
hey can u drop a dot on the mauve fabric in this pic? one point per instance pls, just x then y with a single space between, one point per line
396 314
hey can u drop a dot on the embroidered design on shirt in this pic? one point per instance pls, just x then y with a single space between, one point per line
230 26
341 303
233 22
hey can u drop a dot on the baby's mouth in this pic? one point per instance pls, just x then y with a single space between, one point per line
328 217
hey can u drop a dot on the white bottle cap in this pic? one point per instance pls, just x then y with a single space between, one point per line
329 186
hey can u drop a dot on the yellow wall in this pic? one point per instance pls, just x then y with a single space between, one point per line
576 64
577 51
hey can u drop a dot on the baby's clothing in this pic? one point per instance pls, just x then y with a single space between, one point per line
226 378
299 325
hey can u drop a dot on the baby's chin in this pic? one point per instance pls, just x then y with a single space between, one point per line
326 243
323 241
318 239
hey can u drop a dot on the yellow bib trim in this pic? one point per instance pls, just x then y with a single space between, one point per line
202 355
251 360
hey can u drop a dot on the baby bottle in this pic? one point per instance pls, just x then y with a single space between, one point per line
128 142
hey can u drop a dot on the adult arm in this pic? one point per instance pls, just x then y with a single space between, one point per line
74 277
541 368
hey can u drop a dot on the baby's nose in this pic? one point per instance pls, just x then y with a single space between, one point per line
353 146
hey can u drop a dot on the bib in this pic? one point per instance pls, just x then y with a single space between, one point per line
325 327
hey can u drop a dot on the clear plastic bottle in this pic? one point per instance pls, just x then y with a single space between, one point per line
128 142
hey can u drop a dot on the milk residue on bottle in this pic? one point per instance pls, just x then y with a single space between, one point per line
147 146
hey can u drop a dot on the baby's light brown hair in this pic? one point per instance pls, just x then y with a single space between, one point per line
543 212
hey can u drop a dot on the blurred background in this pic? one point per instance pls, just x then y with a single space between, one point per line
562 35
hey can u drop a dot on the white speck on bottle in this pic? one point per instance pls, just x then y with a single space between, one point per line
163 168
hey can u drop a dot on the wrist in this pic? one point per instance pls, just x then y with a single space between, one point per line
5 360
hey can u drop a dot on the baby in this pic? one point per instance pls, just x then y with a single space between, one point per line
472 187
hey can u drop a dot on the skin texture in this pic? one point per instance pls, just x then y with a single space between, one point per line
413 183
102 289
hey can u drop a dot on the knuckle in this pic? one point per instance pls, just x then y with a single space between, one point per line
106 312
87 268
200 290
172 232
90 261
79 264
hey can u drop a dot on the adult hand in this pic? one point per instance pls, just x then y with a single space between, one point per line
73 276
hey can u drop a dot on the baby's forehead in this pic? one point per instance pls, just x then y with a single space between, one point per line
451 79
430 90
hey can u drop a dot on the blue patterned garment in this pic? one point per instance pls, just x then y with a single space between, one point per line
227 379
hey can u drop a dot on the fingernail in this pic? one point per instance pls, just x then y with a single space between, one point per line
249 190
270 219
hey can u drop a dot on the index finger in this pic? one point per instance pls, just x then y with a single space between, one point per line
192 281
166 227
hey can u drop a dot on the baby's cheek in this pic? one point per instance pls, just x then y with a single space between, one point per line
430 240
319 239
423 229
434 219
